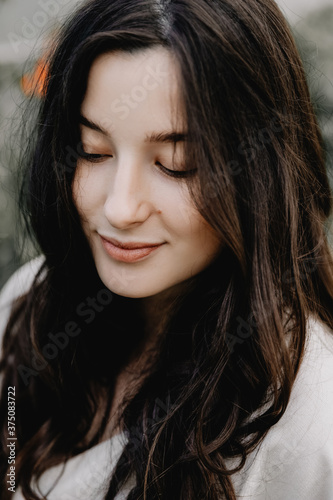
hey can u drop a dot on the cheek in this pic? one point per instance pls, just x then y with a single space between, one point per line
189 221
85 192
181 210
196 230
76 188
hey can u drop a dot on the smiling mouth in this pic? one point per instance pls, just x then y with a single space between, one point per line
128 254
131 245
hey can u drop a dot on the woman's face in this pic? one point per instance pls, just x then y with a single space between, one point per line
123 193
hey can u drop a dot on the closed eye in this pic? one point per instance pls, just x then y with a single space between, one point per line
176 173
94 158
97 158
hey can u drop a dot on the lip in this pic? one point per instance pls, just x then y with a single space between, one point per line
128 252
130 245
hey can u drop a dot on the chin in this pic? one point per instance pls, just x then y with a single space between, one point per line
134 291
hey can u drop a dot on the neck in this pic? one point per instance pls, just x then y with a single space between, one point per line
157 309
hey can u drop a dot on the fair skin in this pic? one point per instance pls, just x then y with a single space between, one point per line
126 195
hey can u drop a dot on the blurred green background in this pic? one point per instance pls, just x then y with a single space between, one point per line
24 24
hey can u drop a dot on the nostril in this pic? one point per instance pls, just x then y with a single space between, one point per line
122 213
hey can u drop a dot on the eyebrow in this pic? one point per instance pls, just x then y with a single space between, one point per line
154 137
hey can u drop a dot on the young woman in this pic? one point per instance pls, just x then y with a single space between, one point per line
173 340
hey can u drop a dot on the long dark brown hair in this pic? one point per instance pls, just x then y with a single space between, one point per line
225 366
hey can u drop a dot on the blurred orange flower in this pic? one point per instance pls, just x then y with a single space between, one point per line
34 83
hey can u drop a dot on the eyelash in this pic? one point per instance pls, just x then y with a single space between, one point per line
96 158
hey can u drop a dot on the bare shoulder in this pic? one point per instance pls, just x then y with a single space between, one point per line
17 285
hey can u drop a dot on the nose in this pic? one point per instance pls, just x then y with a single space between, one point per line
128 197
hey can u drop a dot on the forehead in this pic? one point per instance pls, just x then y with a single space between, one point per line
127 89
